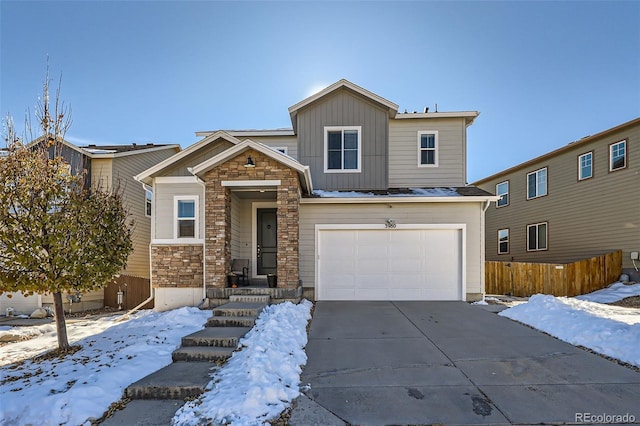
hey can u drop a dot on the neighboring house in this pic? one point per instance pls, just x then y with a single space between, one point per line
108 167
355 202
576 202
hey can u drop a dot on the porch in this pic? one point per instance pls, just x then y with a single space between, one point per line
257 287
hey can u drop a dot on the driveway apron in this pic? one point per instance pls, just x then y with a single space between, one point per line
378 363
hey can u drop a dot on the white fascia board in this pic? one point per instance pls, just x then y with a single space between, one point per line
145 176
392 200
250 183
248 133
176 179
453 114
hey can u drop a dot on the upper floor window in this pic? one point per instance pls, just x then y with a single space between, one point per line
537 183
537 236
503 241
148 200
428 148
618 156
186 215
342 147
502 190
585 166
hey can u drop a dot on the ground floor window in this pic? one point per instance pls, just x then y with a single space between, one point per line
537 236
503 241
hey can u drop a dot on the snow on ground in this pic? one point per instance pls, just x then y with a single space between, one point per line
609 330
81 386
255 385
258 382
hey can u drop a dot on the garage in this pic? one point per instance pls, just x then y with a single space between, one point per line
408 262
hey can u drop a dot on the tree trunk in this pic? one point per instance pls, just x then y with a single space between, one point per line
61 324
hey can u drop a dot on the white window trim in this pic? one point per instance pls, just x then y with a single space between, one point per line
327 129
507 193
177 198
435 150
546 181
580 177
546 231
148 201
503 252
282 149
626 155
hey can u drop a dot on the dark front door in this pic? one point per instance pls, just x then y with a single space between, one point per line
267 241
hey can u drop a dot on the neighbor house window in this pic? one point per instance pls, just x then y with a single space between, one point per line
148 200
342 146
537 237
503 241
427 148
186 210
537 183
618 156
502 191
585 166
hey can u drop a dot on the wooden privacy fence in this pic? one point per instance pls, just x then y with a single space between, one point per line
558 279
135 291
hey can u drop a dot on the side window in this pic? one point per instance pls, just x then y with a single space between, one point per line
428 148
618 156
503 241
148 200
502 190
537 183
585 166
537 237
186 217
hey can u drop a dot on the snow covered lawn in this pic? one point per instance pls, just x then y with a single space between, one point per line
80 387
584 320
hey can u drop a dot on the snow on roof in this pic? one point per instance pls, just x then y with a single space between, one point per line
409 192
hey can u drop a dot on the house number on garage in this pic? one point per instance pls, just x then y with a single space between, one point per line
390 224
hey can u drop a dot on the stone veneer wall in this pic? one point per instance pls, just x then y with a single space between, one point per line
176 265
218 216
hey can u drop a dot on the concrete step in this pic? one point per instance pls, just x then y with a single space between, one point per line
201 353
223 337
231 321
250 298
179 380
239 309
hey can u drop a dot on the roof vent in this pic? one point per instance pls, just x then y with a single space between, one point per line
426 110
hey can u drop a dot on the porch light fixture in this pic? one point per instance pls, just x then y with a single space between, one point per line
249 164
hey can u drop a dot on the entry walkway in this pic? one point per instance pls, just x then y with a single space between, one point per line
378 363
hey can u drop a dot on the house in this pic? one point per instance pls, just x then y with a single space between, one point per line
108 167
575 202
355 201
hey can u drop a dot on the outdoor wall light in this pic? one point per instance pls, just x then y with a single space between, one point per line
249 164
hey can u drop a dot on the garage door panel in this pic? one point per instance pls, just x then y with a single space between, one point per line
390 264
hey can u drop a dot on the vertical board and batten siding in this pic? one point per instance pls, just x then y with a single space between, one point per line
585 218
525 279
163 216
123 169
404 156
289 142
345 108
410 213
180 168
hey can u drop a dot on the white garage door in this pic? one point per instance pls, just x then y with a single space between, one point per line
390 264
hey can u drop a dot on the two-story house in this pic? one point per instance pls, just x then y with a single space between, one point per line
108 167
355 202
576 202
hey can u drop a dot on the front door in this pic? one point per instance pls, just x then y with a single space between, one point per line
267 241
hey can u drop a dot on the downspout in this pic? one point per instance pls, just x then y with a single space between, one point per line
204 243
483 248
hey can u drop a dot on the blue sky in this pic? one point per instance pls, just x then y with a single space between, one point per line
542 74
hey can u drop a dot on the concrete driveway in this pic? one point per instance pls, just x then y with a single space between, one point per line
374 363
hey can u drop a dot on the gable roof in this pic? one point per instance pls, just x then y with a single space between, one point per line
569 146
390 106
303 171
109 151
146 176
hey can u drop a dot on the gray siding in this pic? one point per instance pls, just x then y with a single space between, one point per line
403 153
123 169
585 218
210 150
164 205
290 142
344 108
411 213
